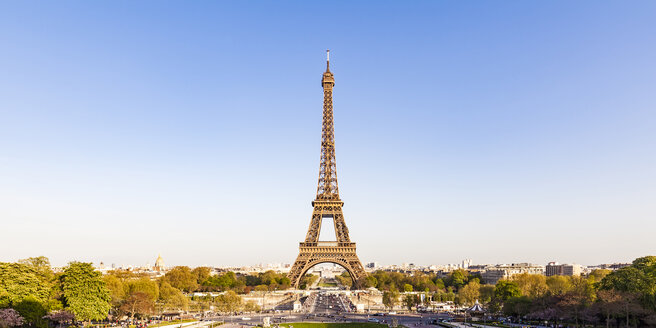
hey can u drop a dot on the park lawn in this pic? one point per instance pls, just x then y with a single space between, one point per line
327 284
332 325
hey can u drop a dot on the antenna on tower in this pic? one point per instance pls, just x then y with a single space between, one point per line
328 60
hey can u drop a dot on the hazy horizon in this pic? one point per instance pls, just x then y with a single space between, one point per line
501 132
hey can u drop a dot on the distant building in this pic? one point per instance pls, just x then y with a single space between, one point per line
555 269
372 266
613 266
466 263
493 274
159 264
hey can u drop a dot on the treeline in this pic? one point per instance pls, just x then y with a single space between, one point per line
31 294
138 296
626 296
623 297
418 281
200 280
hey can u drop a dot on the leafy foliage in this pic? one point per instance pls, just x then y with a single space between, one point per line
182 278
138 304
172 298
85 292
32 311
228 302
307 281
390 298
243 284
470 292
20 281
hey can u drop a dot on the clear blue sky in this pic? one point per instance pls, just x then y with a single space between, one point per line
497 131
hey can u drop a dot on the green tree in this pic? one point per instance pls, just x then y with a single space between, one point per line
201 274
598 274
228 302
407 288
458 278
410 301
531 285
470 292
182 278
116 289
85 293
505 289
172 298
439 284
41 265
390 298
20 281
345 279
517 305
486 293
138 304
32 311
144 285
307 281
251 306
558 285
369 281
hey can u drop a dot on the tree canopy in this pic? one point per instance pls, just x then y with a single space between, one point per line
85 292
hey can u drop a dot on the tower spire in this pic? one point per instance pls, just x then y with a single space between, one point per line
327 189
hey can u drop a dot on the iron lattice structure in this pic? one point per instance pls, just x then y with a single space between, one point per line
327 204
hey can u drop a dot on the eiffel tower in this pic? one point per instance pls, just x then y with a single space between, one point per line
327 205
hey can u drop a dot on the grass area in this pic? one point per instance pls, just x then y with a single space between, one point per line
332 325
327 284
173 322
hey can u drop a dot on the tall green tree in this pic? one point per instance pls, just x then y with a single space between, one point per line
138 304
201 274
486 293
345 279
33 311
182 278
410 301
458 278
390 298
470 292
172 298
85 292
116 289
20 281
531 285
228 302
144 285
307 281
558 285
506 290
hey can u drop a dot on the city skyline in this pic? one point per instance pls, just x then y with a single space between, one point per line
193 131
